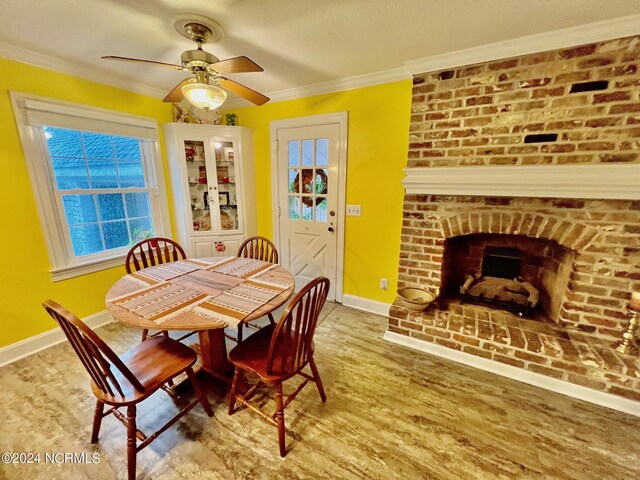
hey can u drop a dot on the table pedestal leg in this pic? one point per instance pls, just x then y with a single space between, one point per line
214 354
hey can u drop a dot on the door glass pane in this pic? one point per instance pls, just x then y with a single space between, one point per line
111 206
322 152
70 173
294 207
116 234
322 180
307 153
85 239
294 181
321 209
79 209
103 173
307 207
294 153
307 180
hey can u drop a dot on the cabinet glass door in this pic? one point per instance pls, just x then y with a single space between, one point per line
226 174
198 178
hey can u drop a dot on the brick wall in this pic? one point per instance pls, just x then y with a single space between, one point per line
578 105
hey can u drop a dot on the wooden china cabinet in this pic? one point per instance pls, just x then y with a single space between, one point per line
213 185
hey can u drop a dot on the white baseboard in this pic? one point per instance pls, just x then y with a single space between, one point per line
572 390
31 345
365 304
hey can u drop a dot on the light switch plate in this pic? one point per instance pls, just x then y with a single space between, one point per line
353 210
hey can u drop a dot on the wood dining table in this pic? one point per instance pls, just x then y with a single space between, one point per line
205 295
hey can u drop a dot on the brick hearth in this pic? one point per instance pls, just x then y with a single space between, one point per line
572 106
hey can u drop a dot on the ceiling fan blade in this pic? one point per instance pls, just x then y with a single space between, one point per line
241 90
176 95
128 59
236 65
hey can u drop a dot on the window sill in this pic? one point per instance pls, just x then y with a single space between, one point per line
72 271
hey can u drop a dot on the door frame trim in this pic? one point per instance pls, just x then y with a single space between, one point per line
342 119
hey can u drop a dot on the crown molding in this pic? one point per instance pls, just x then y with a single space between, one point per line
610 181
562 38
23 55
331 86
541 42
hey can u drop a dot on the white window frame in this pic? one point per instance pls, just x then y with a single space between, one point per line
31 113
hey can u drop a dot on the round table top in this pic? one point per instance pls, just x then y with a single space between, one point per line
174 296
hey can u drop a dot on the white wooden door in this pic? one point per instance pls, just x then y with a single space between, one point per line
308 201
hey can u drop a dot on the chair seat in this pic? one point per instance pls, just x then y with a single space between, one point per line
153 362
252 355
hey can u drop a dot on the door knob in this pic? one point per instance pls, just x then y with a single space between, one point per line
330 229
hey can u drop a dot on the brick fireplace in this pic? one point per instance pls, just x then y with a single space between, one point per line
536 155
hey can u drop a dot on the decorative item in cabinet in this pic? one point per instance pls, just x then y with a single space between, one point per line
229 156
202 174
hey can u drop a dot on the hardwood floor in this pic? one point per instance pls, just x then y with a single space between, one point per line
391 413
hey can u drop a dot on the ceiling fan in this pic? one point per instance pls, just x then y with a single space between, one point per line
205 90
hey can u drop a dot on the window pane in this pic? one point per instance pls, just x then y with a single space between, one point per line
79 209
322 180
294 181
97 145
63 143
70 173
321 209
322 152
126 148
137 204
307 210
116 234
141 228
307 180
131 173
111 206
294 154
294 207
307 153
85 239
103 173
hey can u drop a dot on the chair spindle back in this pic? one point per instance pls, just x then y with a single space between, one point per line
92 351
292 340
259 248
153 251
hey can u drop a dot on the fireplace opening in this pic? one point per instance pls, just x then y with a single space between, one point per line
527 276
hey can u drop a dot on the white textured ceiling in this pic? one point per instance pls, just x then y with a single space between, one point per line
297 42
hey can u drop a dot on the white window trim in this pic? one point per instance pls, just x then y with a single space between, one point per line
36 158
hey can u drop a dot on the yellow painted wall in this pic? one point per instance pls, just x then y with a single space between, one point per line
24 278
377 152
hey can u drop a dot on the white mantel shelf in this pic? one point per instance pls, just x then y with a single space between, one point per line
610 181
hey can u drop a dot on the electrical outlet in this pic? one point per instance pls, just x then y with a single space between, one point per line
384 284
353 210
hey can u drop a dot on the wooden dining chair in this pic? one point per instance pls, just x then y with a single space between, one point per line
259 248
149 253
128 380
278 352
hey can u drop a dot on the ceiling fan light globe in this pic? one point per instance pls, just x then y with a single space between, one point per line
204 96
